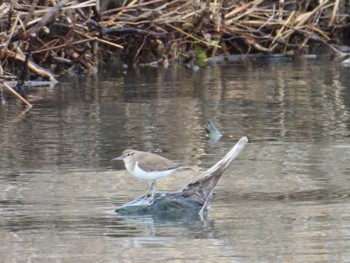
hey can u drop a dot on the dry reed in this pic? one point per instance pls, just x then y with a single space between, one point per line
64 35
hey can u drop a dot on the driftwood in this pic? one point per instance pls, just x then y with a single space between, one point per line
19 56
192 199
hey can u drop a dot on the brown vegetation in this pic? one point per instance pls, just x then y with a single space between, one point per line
55 36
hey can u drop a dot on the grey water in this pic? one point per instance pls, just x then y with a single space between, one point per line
284 199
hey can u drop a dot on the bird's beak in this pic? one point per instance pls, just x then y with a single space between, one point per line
120 158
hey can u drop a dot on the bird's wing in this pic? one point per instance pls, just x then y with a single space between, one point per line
153 162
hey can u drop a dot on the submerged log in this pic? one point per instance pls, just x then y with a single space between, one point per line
193 198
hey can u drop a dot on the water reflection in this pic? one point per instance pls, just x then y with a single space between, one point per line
284 199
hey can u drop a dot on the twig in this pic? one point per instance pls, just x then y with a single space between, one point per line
112 19
12 32
240 9
45 10
107 42
193 37
15 93
99 40
334 13
123 8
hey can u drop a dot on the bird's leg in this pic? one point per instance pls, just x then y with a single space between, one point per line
149 188
154 189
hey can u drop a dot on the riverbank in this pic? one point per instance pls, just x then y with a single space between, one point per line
41 41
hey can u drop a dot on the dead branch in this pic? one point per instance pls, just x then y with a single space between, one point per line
15 93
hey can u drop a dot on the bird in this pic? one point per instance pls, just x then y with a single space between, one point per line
148 167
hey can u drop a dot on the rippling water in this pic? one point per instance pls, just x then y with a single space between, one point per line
286 198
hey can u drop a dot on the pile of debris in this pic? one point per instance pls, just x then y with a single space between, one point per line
44 38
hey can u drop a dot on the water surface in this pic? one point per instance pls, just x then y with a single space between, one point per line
286 198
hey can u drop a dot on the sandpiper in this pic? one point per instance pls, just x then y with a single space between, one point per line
148 167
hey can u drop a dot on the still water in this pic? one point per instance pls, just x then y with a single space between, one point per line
285 199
